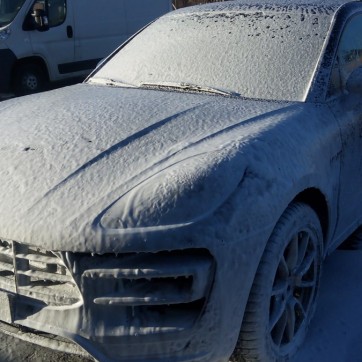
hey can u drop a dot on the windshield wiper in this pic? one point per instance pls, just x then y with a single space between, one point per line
187 87
110 82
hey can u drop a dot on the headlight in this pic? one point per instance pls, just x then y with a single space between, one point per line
183 193
5 33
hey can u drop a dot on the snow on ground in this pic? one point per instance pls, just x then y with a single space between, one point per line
336 331
335 334
15 350
4 96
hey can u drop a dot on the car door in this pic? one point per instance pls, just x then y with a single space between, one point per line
347 108
56 45
100 29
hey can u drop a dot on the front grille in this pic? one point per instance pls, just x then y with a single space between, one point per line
37 274
167 289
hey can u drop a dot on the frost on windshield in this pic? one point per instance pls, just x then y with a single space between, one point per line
256 52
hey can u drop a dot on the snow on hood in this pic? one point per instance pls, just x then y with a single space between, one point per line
66 155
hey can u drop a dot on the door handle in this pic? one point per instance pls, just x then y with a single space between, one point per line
69 32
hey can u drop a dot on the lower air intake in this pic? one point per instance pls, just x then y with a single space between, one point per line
37 274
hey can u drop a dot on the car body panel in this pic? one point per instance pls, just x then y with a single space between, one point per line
126 183
252 137
105 140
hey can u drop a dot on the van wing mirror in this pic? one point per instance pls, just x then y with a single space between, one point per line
40 19
354 82
37 19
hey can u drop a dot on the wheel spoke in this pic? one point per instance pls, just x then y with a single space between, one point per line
306 283
277 312
307 263
298 304
283 269
278 331
303 246
290 327
292 253
279 288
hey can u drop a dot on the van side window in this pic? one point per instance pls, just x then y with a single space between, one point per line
348 57
57 10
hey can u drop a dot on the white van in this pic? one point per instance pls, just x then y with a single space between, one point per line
52 40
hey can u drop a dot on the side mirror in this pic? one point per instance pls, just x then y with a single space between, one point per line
40 19
354 82
37 19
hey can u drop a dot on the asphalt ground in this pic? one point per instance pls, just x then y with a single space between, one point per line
55 85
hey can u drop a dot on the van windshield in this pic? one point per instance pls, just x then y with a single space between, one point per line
8 10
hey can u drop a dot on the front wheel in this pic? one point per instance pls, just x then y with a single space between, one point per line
29 78
283 296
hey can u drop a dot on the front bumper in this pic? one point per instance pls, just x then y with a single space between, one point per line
7 61
149 302
147 305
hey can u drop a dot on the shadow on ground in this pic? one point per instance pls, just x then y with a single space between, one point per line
55 85
336 332
15 350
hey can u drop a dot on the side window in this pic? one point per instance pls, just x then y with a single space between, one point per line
55 9
348 57
56 12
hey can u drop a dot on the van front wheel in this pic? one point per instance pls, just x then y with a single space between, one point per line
29 79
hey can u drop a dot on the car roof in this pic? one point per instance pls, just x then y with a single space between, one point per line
321 6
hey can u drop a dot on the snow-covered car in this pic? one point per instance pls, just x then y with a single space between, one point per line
177 206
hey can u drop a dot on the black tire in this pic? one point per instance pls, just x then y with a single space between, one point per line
29 78
283 296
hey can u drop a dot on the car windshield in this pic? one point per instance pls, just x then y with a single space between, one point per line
8 10
254 52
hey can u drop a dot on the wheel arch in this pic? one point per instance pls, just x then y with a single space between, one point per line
318 202
308 198
31 60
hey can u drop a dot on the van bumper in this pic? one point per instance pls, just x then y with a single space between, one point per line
7 61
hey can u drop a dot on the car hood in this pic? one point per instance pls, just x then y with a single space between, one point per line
65 155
